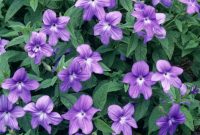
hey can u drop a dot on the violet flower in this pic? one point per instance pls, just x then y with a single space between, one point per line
169 123
192 6
89 59
148 22
80 115
194 90
123 119
94 8
166 3
37 47
42 114
55 27
167 75
107 27
20 86
139 80
9 114
72 77
3 43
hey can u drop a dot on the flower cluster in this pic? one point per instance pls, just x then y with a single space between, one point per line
148 22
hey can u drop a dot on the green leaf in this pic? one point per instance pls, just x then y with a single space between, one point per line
141 52
101 91
48 82
4 68
179 25
189 119
105 68
68 100
191 44
155 114
16 41
102 126
168 47
141 109
127 4
35 68
34 4
14 7
132 45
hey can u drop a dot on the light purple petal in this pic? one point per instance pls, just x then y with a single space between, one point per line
5 104
174 110
167 3
20 75
64 86
73 127
45 103
86 126
114 112
47 50
129 78
8 83
176 70
96 68
138 26
114 17
64 35
160 17
96 56
30 108
70 115
99 12
166 85
25 96
49 16
91 112
140 68
104 3
116 33
134 91
84 50
62 21
17 112
117 127
55 118
183 89
83 103
31 85
82 3
12 123
13 96
53 39
155 2
157 77
2 127
162 121
46 126
132 123
98 28
163 66
34 122
88 13
128 110
176 82
76 85
105 37
146 91
126 130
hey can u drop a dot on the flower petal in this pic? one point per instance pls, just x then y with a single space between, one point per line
134 91
84 50
128 110
20 75
31 85
49 16
96 68
86 126
45 103
163 66
129 78
83 103
114 18
30 108
13 96
160 17
8 83
64 35
116 33
55 118
114 112
17 112
117 127
132 123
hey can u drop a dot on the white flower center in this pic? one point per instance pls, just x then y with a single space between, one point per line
6 116
72 77
54 28
147 20
81 115
92 3
88 61
167 75
20 85
36 48
122 120
140 81
171 121
106 26
42 115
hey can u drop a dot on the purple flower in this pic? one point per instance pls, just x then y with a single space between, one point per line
192 6
55 27
139 80
37 47
89 59
123 119
168 75
107 27
169 123
194 90
94 8
80 115
148 22
72 76
9 114
166 3
3 43
20 86
42 114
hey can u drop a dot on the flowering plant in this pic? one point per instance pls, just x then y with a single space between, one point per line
93 67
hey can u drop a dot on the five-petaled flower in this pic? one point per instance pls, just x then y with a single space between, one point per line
42 114
169 123
80 115
72 77
192 6
3 43
139 80
168 75
37 47
20 86
148 22
123 119
55 27
107 27
89 59
94 8
9 114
